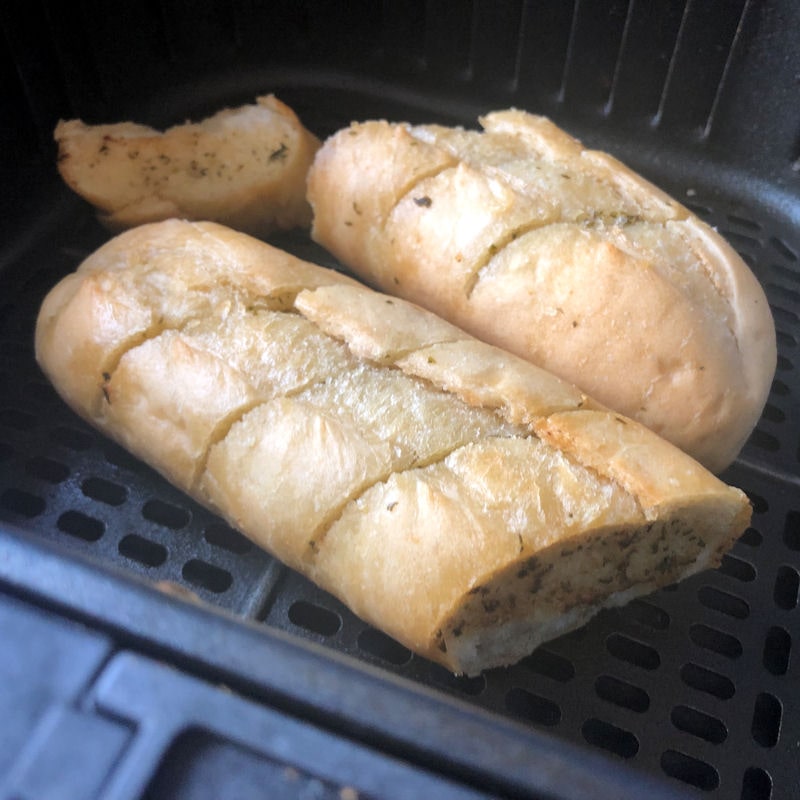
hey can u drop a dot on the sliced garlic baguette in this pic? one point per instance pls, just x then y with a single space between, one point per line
461 499
245 167
562 256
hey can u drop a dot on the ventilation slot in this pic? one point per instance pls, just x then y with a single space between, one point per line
690 770
791 530
314 618
787 582
104 491
723 602
532 707
17 420
779 388
708 681
21 503
766 720
381 646
751 537
632 651
71 438
46 469
764 441
736 568
143 551
551 665
622 694
81 526
699 724
715 640
227 538
611 738
777 647
756 784
207 576
121 458
744 222
165 514
784 250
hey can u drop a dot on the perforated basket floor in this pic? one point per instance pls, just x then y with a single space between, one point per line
694 685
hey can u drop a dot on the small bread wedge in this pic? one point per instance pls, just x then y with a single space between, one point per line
461 499
244 167
562 256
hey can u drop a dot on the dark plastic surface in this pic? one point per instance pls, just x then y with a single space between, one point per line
694 686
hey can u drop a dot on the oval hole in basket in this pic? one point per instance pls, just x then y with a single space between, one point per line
764 441
780 389
772 413
760 504
744 222
22 503
46 469
120 457
144 551
751 537
777 647
787 583
716 641
783 249
551 665
708 681
71 438
381 646
165 514
621 693
756 784
104 491
766 725
81 526
698 723
791 530
227 538
611 738
633 651
532 707
689 770
314 618
207 576
724 602
736 568
17 420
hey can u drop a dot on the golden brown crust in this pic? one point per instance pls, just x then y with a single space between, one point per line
459 498
244 167
562 256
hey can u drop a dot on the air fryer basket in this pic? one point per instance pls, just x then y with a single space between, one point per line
148 650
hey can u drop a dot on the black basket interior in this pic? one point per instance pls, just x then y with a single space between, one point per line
690 688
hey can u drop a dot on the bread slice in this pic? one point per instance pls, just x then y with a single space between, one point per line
562 256
466 502
245 167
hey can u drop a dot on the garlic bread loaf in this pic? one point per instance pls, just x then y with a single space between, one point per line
244 167
461 499
562 256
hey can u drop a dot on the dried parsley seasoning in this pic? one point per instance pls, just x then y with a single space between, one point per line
280 153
